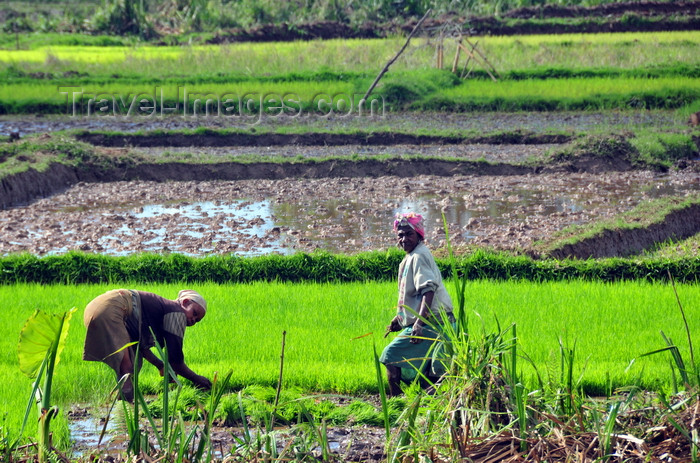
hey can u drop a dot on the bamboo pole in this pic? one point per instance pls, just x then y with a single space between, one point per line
482 56
478 61
455 63
391 61
466 63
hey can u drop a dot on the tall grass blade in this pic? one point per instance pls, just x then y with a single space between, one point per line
382 392
696 370
279 383
460 285
606 438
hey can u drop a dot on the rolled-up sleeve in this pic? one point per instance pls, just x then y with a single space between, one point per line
424 278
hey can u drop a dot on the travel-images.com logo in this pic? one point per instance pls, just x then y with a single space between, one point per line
250 107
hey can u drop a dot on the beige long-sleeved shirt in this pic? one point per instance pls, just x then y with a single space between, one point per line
418 274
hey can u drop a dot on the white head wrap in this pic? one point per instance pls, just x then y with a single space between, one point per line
193 296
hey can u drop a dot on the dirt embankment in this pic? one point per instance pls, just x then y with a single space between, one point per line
26 186
606 9
615 17
310 139
677 225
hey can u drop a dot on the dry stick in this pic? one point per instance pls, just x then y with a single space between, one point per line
439 51
466 63
391 61
279 382
482 56
478 61
456 60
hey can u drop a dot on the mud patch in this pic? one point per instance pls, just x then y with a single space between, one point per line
94 437
337 214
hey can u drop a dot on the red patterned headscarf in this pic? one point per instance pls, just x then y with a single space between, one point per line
410 219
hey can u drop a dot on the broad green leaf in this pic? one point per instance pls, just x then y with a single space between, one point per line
40 332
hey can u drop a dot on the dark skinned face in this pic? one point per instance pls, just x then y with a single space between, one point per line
193 311
407 238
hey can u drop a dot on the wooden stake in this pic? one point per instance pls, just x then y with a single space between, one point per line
469 58
482 56
391 61
478 61
456 60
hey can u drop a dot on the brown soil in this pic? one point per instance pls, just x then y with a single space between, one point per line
333 204
532 197
638 438
311 139
646 8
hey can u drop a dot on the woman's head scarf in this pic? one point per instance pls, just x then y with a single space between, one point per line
410 219
193 296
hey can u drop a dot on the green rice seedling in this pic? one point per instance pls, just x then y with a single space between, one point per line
607 436
320 432
518 394
667 147
407 437
205 442
575 51
381 384
325 352
566 94
690 374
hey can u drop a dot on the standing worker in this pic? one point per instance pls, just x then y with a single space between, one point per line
122 316
422 292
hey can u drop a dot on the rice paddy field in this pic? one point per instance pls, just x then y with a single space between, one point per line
596 71
331 330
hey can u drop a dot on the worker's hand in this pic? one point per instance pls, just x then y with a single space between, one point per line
395 325
416 333
201 382
161 370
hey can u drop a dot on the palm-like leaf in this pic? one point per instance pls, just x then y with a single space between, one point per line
38 334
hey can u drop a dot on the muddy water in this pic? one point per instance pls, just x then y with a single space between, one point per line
338 215
351 443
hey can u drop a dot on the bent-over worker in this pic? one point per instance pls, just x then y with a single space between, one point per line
122 316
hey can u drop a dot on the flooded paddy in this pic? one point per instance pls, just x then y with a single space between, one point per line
339 215
93 434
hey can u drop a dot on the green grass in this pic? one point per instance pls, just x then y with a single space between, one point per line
573 51
565 94
610 323
426 90
688 247
574 71
120 97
